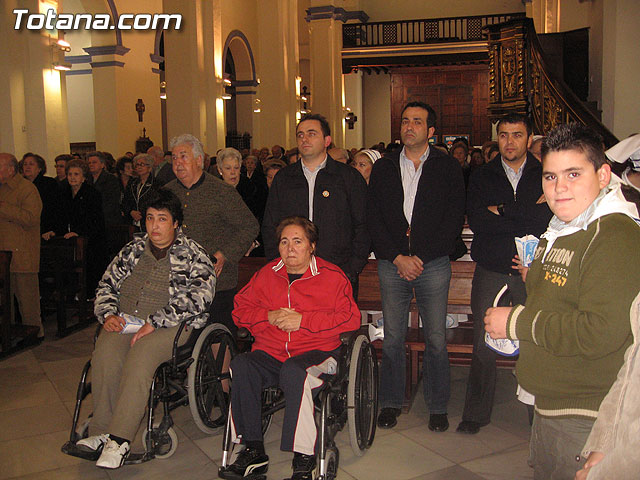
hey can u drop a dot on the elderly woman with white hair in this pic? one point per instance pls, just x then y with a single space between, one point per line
137 188
229 165
364 160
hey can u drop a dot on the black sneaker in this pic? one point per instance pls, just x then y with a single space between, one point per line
249 464
303 466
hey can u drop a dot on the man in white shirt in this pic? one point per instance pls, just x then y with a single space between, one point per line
415 212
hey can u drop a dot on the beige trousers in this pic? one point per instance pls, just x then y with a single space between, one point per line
121 378
27 290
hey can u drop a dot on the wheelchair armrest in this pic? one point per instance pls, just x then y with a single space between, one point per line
174 351
345 337
348 337
243 334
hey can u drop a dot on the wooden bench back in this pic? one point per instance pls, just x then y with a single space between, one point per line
369 291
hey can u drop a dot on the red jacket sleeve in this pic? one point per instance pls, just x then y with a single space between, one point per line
250 307
344 317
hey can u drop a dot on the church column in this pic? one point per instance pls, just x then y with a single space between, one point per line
32 93
277 67
193 72
109 80
325 25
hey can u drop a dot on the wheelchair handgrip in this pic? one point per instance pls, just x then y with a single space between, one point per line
243 334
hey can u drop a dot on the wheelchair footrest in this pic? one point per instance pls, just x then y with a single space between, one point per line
70 448
136 458
226 473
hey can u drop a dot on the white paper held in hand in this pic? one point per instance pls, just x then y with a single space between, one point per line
503 346
132 324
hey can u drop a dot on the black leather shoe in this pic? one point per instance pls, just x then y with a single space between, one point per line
388 417
438 422
468 427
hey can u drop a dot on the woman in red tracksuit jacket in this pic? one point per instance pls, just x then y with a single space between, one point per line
296 307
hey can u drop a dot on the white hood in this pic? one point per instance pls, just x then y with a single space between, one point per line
610 200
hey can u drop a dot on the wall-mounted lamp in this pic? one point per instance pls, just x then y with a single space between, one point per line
256 105
226 79
61 67
226 96
351 119
61 44
163 90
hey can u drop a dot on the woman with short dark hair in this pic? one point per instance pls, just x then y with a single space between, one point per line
158 280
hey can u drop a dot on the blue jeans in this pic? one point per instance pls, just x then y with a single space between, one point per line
431 291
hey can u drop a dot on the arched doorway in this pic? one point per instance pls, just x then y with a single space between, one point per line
239 69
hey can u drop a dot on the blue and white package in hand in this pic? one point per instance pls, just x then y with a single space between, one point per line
526 247
503 346
132 324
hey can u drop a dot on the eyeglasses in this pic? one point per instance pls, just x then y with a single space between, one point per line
140 165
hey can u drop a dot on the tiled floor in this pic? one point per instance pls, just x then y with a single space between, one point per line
37 392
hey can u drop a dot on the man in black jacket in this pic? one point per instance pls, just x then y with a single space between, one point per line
415 213
504 201
330 194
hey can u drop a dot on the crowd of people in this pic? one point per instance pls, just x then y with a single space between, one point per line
317 212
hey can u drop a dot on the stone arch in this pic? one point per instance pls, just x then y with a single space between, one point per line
238 44
238 57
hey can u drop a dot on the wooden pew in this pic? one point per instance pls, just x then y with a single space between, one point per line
5 300
63 264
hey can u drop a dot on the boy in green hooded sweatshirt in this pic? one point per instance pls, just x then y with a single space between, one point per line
575 326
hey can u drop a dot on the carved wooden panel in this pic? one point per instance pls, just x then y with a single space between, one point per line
458 94
520 81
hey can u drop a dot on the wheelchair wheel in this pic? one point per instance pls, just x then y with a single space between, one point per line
208 402
164 444
362 395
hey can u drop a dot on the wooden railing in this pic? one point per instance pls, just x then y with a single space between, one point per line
520 81
414 32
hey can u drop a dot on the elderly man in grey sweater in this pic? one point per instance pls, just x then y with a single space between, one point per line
214 216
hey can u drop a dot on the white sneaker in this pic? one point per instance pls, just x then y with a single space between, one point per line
113 455
93 443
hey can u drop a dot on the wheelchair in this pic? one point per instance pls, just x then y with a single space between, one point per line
192 376
349 397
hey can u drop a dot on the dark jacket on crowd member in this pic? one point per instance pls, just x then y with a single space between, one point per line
493 245
134 196
438 211
50 196
253 195
339 211
109 187
83 215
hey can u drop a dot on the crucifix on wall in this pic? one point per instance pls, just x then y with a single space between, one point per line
140 109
